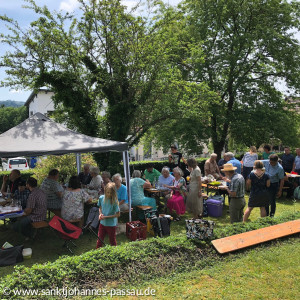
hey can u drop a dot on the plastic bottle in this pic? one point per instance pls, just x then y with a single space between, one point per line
8 195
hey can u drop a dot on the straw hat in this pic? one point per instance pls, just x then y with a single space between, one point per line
228 167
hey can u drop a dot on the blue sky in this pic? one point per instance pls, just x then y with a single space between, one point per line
13 9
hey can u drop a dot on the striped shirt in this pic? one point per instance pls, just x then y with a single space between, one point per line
37 201
237 185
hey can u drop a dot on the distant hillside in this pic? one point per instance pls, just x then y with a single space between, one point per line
11 103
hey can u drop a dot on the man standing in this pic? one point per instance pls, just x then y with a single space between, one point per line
35 211
287 160
12 184
175 156
236 192
276 173
296 166
85 176
53 190
229 157
151 174
267 152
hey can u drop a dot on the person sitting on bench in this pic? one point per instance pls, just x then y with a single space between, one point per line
35 211
121 192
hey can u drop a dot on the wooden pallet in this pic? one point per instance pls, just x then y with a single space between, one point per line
254 237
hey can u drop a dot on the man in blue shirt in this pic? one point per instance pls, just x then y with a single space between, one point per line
276 173
229 157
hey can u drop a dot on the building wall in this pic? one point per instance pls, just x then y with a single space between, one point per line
42 103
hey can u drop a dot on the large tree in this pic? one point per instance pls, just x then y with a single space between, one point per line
12 116
248 48
106 60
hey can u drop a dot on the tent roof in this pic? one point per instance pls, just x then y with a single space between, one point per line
39 135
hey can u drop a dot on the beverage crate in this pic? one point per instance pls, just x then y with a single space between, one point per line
136 230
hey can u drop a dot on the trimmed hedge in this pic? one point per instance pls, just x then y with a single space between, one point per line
130 262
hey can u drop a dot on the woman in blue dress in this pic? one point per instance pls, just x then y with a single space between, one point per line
259 182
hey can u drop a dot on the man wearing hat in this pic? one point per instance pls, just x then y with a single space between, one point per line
236 192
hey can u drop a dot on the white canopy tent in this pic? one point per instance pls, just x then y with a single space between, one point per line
39 135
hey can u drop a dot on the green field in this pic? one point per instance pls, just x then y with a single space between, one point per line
270 272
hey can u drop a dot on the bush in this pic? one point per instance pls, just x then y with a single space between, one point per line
66 164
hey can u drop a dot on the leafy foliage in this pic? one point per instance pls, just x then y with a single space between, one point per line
10 117
248 49
66 164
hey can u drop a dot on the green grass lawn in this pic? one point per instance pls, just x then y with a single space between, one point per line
48 246
269 271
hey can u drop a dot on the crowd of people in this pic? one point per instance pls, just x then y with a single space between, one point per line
264 179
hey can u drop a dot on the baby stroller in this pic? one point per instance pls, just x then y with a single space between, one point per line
67 231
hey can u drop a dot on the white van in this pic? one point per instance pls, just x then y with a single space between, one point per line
17 163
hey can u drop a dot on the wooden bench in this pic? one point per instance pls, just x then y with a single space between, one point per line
254 237
77 222
38 225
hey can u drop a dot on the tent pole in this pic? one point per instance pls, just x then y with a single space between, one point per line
78 162
127 178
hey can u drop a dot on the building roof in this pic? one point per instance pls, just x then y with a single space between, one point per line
33 94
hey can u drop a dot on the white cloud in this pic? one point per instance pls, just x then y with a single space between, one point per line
129 3
69 5
16 91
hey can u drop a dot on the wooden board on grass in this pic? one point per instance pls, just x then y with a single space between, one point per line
254 237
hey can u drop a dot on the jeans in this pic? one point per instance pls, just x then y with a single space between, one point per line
273 189
23 225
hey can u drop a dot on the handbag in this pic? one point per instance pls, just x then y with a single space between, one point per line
11 256
199 229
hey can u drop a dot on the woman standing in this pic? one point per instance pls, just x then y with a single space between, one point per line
248 161
194 202
176 202
259 182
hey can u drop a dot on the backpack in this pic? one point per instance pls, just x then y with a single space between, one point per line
297 193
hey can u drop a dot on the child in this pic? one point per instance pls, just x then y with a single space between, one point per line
108 214
22 194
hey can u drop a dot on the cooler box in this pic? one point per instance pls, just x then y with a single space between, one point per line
136 230
214 208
